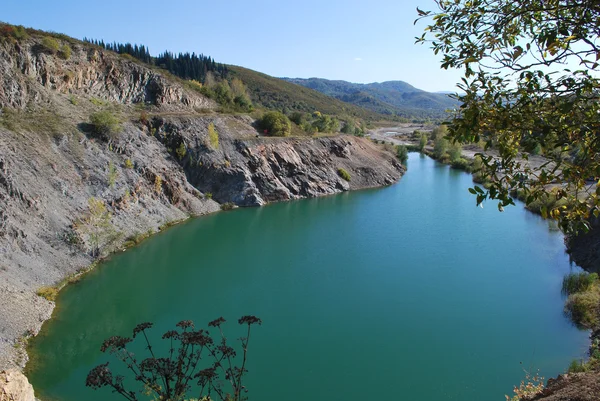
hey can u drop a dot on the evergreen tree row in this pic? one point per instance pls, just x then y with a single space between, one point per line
184 65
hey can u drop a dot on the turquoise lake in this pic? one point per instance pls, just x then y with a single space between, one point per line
408 292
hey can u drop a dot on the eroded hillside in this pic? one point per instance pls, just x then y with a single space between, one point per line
72 190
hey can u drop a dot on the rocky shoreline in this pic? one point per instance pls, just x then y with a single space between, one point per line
43 240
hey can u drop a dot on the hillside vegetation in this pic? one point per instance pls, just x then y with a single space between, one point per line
287 97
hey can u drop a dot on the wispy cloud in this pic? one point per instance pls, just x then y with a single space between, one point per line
357 59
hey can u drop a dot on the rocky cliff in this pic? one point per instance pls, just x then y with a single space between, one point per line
69 195
31 73
14 386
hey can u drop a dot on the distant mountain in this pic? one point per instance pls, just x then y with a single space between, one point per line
391 97
280 94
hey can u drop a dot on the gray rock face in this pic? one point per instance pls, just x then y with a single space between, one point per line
250 171
584 248
46 184
90 72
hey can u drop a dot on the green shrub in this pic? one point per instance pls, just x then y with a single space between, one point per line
402 154
213 136
578 282
577 366
112 174
298 118
49 293
222 93
583 308
158 184
343 174
65 51
423 142
440 147
308 127
275 123
455 152
181 151
227 206
97 102
128 164
105 124
439 132
20 32
461 164
583 303
194 84
50 44
128 57
208 195
325 123
243 103
15 32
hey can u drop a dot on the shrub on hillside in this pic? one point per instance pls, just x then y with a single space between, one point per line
402 154
65 51
49 293
105 124
578 282
325 123
181 151
275 124
13 32
343 174
213 136
583 308
228 206
50 44
298 118
583 303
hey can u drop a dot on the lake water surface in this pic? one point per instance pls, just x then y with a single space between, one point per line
406 292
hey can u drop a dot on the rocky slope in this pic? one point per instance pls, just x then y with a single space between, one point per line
584 248
68 195
572 387
33 74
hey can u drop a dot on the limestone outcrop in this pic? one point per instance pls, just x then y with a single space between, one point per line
14 386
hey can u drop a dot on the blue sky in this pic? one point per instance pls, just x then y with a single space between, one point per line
358 41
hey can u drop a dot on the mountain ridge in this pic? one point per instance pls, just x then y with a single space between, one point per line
389 97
